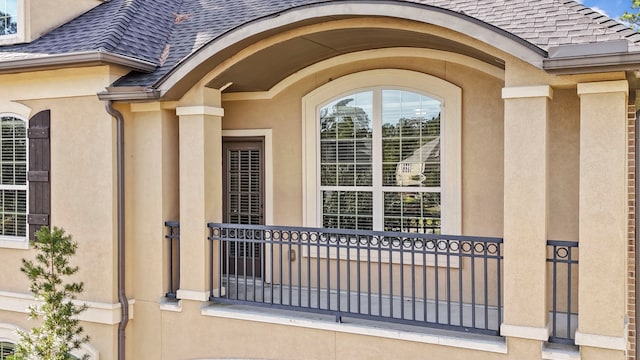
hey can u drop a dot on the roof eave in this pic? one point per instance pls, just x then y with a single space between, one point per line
571 65
86 58
130 94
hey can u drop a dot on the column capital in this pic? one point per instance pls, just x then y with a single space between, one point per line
519 92
199 110
602 87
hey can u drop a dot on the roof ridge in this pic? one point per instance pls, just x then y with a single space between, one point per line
116 29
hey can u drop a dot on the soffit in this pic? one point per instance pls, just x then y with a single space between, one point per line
265 68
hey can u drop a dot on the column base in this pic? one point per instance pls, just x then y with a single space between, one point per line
526 332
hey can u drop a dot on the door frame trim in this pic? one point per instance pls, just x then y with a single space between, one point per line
268 165
266 134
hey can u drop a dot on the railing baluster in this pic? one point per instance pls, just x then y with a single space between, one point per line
329 249
564 255
473 286
424 281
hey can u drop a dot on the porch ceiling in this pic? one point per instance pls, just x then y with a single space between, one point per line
265 68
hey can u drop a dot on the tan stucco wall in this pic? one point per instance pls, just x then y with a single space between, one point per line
82 186
481 140
220 338
44 15
83 177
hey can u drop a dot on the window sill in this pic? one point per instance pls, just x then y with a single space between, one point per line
493 344
11 39
14 244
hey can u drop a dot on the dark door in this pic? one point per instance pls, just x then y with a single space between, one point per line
243 184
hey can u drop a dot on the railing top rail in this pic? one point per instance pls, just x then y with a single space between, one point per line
172 223
562 243
358 232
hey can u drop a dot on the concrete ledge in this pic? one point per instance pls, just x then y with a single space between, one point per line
525 332
550 352
485 343
601 341
97 312
199 110
521 92
170 305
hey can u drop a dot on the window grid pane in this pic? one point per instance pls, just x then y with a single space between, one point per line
412 212
347 210
13 177
410 139
8 17
346 141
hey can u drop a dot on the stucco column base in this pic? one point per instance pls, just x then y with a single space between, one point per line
524 349
526 332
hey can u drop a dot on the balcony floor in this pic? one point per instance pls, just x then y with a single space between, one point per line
439 314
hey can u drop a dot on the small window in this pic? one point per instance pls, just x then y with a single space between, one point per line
13 178
8 17
6 349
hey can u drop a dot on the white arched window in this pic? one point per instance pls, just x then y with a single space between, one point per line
382 152
13 178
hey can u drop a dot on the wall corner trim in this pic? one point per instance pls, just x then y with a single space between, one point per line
602 87
199 110
520 92
602 341
525 332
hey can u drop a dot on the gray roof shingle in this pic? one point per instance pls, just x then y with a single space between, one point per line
165 32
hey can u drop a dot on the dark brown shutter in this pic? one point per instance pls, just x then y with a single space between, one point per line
39 171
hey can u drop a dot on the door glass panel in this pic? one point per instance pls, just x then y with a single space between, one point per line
243 187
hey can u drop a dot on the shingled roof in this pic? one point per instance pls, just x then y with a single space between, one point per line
165 32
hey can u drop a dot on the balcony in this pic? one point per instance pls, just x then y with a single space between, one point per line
427 280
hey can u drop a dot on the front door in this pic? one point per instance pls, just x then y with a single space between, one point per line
243 200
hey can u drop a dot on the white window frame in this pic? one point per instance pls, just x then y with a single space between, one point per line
18 242
447 93
19 36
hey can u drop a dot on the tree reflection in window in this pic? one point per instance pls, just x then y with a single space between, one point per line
404 178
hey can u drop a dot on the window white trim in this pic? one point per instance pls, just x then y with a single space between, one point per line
447 93
18 242
19 36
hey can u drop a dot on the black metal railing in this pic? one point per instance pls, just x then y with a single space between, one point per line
450 282
173 243
563 262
